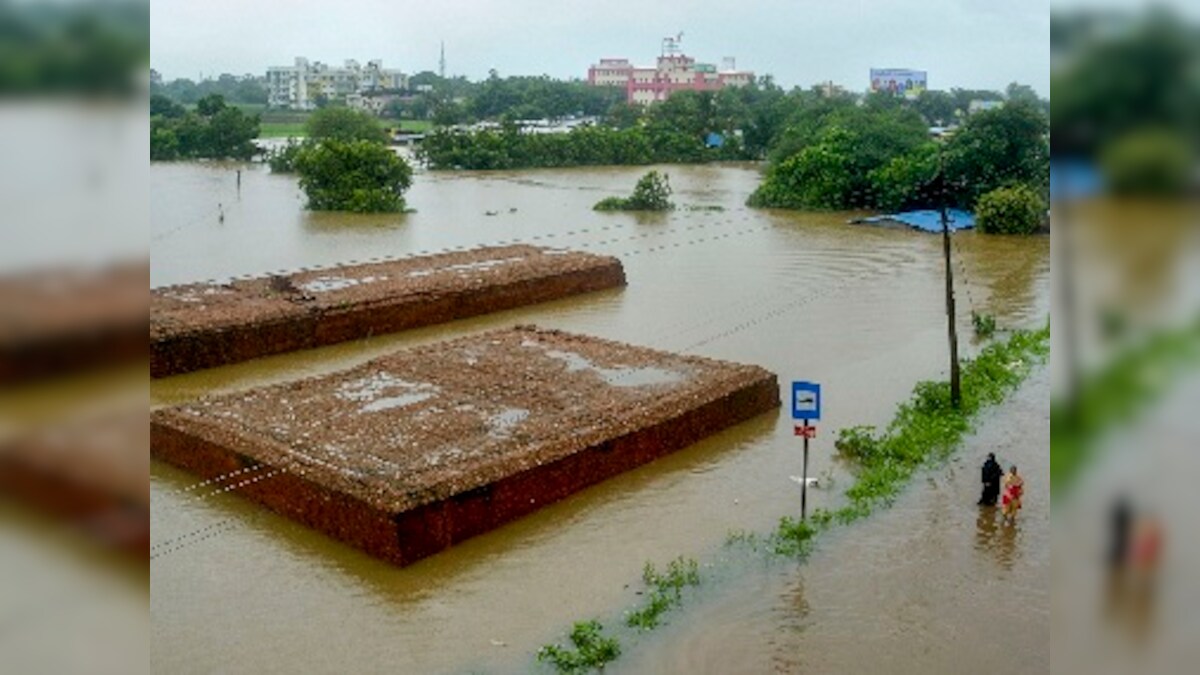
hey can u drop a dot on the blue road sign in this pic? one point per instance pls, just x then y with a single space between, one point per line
806 401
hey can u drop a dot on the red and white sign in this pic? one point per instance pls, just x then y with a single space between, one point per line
806 431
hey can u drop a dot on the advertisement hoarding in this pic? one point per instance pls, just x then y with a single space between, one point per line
899 81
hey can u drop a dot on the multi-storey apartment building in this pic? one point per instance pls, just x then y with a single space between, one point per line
673 72
298 86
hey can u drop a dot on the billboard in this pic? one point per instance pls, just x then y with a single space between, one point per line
900 81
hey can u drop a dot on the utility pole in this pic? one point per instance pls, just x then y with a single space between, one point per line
955 383
442 61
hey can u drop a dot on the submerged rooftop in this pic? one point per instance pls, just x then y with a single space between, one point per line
505 421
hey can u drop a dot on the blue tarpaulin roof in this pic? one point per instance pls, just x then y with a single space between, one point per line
927 220
1075 179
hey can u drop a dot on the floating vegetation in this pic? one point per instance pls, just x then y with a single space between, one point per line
592 649
985 324
666 591
652 193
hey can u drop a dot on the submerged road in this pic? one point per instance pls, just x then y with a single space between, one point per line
933 584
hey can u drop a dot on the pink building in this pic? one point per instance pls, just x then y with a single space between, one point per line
673 72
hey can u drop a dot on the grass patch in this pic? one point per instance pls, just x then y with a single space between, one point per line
281 130
740 537
291 124
665 591
591 649
1114 395
929 426
409 126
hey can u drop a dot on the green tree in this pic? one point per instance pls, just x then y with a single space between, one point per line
1010 210
163 106
210 105
1021 92
344 124
825 158
230 133
622 115
937 107
1116 83
897 184
821 176
214 131
999 147
359 176
164 144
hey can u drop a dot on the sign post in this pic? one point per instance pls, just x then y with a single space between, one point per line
806 407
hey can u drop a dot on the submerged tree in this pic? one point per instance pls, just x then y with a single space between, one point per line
358 176
1010 210
652 193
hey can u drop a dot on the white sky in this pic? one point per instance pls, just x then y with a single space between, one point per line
961 43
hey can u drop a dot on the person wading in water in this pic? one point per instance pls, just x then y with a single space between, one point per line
992 473
1014 488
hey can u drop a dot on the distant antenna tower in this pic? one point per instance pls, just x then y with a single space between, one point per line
442 61
671 45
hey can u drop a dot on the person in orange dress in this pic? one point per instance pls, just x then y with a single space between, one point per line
1013 489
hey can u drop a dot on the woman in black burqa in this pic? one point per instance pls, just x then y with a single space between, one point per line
992 473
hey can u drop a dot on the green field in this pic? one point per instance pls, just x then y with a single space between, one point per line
279 124
414 126
280 129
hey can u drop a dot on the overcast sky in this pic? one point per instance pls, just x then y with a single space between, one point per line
961 43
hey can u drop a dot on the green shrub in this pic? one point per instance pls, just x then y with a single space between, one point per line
1148 162
793 538
985 324
592 649
283 159
611 204
652 193
857 442
358 176
1010 210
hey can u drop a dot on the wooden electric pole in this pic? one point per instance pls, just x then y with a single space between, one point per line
955 383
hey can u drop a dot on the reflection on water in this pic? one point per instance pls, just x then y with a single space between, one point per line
859 309
996 537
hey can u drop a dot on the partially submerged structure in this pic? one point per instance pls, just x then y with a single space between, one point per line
413 452
204 325
61 321
926 220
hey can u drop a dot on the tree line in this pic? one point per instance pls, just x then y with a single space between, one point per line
1127 96
881 156
212 130
232 88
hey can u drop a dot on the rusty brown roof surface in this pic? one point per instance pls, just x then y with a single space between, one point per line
424 424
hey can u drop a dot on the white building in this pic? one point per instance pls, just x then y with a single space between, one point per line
298 86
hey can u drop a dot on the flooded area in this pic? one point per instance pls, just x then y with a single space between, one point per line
932 584
235 588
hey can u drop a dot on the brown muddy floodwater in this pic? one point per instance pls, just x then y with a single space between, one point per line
860 309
